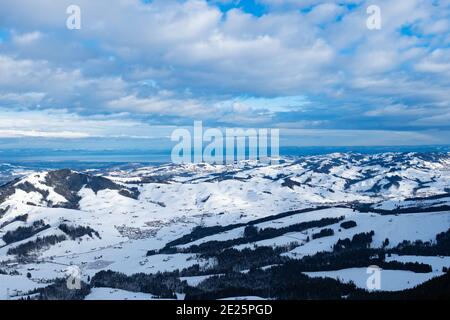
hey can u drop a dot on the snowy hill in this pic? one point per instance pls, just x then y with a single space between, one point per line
205 225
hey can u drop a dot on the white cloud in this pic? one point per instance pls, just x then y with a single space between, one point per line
61 123
178 60
437 61
26 38
42 134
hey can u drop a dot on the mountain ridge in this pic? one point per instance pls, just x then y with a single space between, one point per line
243 215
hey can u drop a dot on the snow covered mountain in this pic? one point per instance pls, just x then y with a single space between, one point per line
198 229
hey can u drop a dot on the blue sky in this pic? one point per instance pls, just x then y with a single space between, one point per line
139 69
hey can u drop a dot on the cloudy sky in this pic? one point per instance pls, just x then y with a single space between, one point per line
138 69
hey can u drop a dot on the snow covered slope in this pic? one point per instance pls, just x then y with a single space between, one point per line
50 220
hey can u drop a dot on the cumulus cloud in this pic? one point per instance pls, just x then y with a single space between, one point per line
301 63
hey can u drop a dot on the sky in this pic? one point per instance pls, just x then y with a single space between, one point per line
137 70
